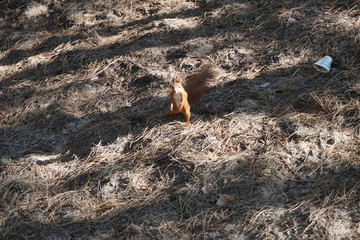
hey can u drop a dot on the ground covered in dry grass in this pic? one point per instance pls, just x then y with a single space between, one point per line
86 151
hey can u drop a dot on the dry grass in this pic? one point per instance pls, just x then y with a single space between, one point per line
86 151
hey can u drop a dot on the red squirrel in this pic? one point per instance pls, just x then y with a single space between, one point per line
182 96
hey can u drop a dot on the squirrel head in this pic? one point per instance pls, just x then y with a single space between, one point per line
177 84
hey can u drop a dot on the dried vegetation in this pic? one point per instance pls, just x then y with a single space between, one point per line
86 151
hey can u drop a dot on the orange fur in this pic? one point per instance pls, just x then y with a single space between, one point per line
194 89
179 101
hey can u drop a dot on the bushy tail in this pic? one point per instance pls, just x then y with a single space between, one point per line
198 83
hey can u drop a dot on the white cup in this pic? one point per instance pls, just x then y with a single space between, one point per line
324 64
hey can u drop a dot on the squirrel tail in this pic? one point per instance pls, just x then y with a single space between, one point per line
198 83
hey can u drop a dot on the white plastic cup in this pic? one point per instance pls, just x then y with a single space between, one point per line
324 64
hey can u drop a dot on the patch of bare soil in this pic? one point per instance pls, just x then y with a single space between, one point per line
86 151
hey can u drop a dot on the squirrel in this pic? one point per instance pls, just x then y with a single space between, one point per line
182 96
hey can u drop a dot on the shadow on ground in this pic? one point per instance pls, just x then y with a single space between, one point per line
295 200
42 120
55 131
